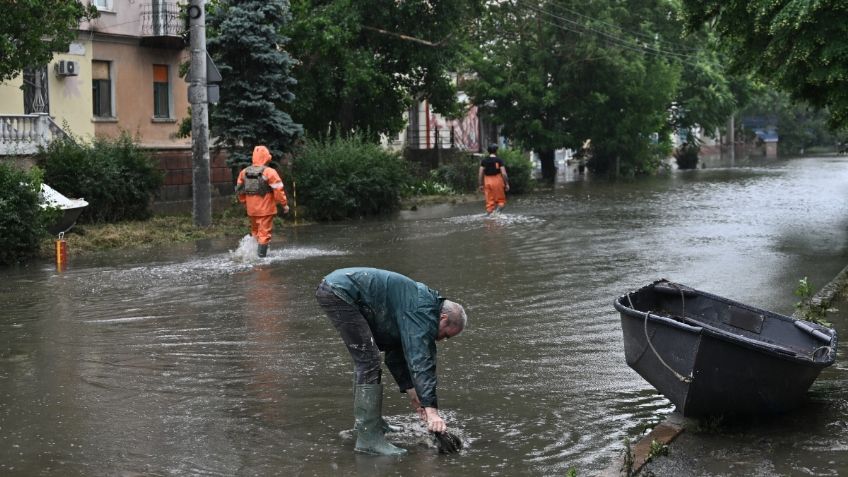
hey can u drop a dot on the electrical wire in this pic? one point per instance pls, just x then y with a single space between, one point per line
582 29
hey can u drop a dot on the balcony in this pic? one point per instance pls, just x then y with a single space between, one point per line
161 25
22 135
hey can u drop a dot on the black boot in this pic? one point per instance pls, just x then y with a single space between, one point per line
262 250
367 409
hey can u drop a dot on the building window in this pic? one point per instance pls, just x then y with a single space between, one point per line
101 83
103 5
161 95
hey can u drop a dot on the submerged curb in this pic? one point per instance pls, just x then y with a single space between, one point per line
827 294
674 424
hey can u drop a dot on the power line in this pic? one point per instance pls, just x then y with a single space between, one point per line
581 29
617 27
620 40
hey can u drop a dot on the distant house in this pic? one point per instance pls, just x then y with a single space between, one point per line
769 139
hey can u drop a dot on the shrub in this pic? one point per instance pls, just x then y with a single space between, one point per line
687 156
23 223
115 176
459 173
518 168
428 187
348 177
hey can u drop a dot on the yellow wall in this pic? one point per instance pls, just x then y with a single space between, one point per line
11 97
70 96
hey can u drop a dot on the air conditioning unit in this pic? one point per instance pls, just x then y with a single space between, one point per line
67 68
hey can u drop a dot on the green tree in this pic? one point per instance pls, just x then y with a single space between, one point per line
797 45
364 62
31 31
705 96
558 72
246 42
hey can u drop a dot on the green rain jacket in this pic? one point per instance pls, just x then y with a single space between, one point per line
404 318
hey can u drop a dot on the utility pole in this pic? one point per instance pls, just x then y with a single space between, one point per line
731 133
197 97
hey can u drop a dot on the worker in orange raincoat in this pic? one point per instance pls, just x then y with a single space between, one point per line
493 180
260 189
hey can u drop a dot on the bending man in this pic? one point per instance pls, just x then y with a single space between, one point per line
377 310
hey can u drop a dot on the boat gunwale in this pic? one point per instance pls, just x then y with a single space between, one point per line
771 349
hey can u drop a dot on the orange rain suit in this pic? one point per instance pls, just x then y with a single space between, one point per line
493 181
261 209
493 187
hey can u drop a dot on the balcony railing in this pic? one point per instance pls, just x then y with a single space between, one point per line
23 134
161 25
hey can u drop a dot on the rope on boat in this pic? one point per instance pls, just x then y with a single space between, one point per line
680 377
815 351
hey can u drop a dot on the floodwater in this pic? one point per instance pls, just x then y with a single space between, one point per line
197 360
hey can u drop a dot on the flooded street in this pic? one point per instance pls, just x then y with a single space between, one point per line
192 360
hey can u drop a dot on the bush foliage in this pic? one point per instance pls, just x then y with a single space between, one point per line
347 178
23 223
115 176
461 174
687 156
518 168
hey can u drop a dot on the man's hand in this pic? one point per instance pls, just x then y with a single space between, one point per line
285 209
435 423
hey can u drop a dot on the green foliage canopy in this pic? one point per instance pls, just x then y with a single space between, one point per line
799 45
558 72
31 31
246 42
364 62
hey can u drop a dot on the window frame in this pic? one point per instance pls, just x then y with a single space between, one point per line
98 95
104 5
160 87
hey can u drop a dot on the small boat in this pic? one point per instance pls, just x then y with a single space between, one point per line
711 356
71 209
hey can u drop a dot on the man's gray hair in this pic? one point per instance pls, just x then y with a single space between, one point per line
456 314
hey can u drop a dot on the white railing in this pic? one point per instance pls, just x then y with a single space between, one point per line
23 134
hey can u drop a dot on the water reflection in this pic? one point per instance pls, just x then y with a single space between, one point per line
193 359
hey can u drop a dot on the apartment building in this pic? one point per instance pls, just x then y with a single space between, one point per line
121 74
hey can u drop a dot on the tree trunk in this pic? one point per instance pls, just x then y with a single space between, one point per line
546 158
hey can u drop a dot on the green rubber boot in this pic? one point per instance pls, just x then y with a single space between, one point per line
387 428
367 410
262 250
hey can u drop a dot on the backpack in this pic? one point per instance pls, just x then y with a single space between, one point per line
255 182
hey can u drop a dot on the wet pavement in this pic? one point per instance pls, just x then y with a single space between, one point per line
196 359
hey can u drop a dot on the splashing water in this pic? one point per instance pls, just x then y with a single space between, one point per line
496 217
246 250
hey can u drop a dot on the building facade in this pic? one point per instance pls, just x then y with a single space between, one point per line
120 75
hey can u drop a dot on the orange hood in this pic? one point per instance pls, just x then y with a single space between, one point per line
261 156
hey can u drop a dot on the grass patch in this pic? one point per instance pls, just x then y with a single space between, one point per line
153 232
